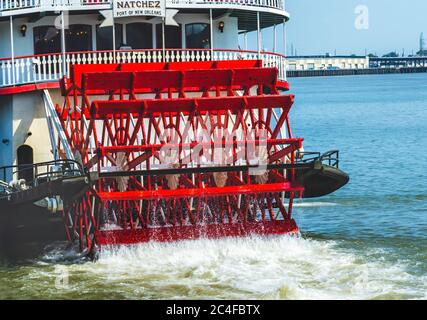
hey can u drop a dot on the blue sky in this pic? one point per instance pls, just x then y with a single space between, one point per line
320 26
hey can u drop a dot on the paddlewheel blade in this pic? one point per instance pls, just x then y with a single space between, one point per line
181 151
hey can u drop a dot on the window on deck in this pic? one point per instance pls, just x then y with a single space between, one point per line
197 36
139 35
104 37
47 39
78 38
173 38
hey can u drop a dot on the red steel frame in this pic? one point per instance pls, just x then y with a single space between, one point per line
133 112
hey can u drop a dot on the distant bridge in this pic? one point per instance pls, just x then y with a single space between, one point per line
399 62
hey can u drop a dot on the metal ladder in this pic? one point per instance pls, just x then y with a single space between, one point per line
54 123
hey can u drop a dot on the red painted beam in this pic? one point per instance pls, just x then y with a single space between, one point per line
199 192
102 151
149 106
191 65
178 80
29 88
191 232
283 85
79 69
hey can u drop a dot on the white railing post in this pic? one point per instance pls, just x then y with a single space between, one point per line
274 38
211 32
258 34
284 50
12 50
63 42
114 40
163 40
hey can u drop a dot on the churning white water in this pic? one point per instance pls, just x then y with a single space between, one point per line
235 268
313 204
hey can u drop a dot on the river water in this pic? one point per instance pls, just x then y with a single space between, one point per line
366 241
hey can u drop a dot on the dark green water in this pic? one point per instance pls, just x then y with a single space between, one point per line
367 241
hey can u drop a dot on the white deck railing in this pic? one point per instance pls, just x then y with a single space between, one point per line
7 5
275 4
49 67
17 4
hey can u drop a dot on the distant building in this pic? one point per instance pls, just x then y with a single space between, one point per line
423 50
298 63
399 62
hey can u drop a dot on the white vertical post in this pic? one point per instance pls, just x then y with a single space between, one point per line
284 38
284 65
12 50
211 30
274 39
154 43
258 34
163 40
246 40
64 64
114 41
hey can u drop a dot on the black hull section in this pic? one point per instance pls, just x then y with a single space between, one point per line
321 182
70 189
25 230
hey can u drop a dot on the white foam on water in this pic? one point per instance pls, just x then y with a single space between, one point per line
314 204
244 268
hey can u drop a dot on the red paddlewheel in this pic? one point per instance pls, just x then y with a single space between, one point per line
211 231
80 223
181 150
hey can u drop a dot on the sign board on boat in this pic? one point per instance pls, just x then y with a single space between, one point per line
134 8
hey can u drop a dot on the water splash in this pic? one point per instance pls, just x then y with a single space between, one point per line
314 204
245 268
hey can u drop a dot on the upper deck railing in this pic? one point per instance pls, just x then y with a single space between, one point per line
12 7
50 67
